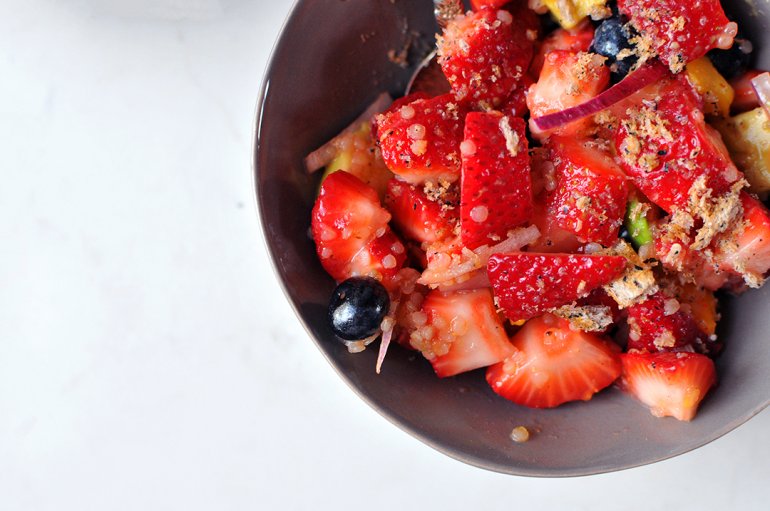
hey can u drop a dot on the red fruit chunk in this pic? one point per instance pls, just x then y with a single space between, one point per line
692 265
516 104
568 79
575 40
381 258
591 190
420 141
395 107
351 231
529 284
480 4
659 324
496 190
463 332
554 364
553 239
678 31
745 96
664 145
671 384
419 217
746 250
484 55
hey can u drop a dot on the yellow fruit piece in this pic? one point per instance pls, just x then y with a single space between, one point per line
717 93
571 12
747 137
703 307
358 154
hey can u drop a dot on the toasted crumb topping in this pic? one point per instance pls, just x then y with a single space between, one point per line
718 213
511 137
588 318
636 283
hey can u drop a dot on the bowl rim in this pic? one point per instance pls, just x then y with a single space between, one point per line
468 459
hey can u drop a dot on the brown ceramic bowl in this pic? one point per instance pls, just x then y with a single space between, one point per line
328 65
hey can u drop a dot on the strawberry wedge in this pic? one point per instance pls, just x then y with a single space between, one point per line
351 231
484 56
678 31
554 364
591 190
660 324
462 332
420 140
670 384
418 216
496 189
528 284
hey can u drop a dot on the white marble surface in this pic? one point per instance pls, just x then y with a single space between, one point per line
147 358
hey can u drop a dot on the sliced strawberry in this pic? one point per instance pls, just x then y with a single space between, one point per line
746 250
671 384
420 141
745 96
664 145
553 239
673 244
575 40
591 190
516 104
462 332
484 55
496 192
678 31
480 4
659 324
568 79
396 106
420 217
527 284
347 215
554 364
381 258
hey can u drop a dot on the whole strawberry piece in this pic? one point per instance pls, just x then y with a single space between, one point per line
670 384
484 55
496 190
528 284
420 140
554 364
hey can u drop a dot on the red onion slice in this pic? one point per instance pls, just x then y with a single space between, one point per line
322 156
761 85
649 73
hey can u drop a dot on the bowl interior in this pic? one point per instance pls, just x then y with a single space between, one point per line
329 64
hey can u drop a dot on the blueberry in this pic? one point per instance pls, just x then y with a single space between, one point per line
735 61
610 38
357 308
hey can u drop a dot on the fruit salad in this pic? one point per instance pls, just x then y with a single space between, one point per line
563 212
